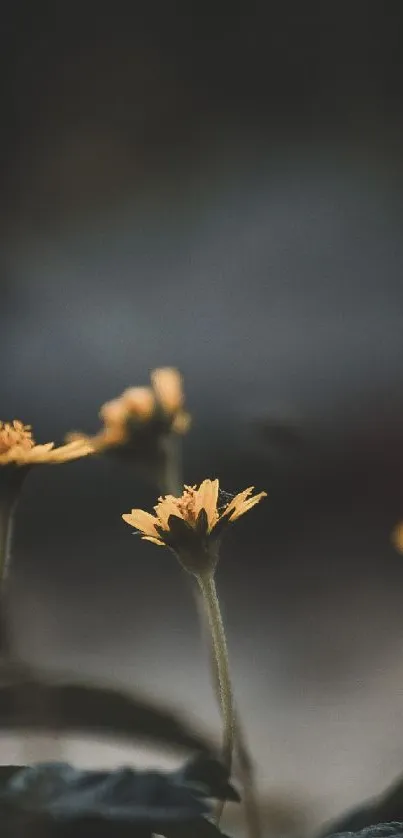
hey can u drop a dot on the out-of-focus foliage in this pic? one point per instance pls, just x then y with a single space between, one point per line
394 829
56 799
38 704
386 808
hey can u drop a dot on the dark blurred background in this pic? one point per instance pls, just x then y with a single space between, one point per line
216 186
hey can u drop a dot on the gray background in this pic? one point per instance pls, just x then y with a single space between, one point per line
217 188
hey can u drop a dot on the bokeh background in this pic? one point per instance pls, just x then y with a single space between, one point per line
216 186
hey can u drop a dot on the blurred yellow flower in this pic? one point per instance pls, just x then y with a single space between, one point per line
18 447
192 524
157 409
397 537
168 390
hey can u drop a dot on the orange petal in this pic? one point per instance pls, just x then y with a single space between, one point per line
206 498
181 422
166 507
48 454
139 402
109 437
237 500
167 385
153 540
113 412
246 505
37 454
143 521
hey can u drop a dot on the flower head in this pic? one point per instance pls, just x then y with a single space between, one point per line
192 524
141 415
18 447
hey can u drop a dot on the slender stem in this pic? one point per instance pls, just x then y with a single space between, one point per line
219 644
170 480
6 532
252 816
249 797
7 508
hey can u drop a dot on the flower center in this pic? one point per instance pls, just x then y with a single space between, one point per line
15 434
187 504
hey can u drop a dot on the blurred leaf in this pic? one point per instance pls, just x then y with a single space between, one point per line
59 800
84 708
210 777
385 808
377 830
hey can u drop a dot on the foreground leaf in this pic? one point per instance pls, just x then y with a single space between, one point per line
84 708
58 800
385 808
378 830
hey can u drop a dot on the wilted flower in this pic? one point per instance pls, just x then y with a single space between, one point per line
192 524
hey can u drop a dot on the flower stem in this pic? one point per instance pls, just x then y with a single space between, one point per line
219 644
169 478
245 763
252 816
6 531
8 504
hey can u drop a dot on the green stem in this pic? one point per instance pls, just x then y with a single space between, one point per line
169 478
252 817
219 644
7 509
246 773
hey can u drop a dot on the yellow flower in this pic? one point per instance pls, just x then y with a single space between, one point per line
141 413
397 537
192 524
18 447
168 389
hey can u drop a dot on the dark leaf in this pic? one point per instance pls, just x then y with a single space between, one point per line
387 807
83 708
210 776
181 534
57 796
202 523
219 529
194 829
377 830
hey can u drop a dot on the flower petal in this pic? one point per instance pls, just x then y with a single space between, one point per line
237 500
206 498
37 454
71 451
142 521
181 423
246 505
167 385
113 412
139 402
153 540
165 508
